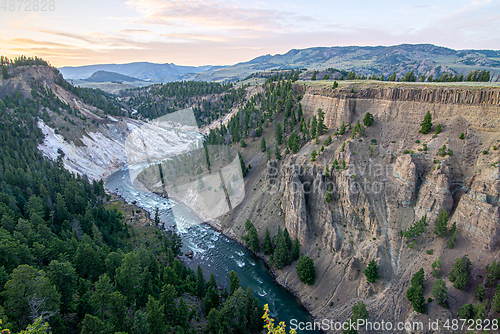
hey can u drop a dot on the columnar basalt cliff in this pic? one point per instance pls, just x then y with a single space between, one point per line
478 106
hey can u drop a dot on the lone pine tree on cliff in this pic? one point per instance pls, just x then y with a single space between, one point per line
426 123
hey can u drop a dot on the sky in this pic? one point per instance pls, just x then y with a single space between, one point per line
224 32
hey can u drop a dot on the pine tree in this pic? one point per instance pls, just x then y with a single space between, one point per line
368 119
328 141
306 270
268 156
200 283
296 250
466 311
371 272
440 293
288 241
244 169
496 300
426 124
254 240
293 142
299 112
314 126
436 267
329 196
460 272
211 301
268 246
418 300
479 293
441 228
263 144
277 152
438 129
278 134
212 282
314 154
358 129
5 74
234 281
342 128
453 238
321 127
335 165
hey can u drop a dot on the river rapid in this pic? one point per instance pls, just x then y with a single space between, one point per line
213 251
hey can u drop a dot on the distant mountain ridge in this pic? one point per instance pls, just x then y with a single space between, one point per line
426 59
105 76
366 60
141 70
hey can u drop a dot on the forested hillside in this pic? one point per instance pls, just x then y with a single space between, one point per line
210 100
69 261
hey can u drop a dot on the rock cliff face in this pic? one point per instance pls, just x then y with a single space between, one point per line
434 195
404 181
478 106
390 180
477 213
294 204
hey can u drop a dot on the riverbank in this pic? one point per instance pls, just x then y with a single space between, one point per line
216 251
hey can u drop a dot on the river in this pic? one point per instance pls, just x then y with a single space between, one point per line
214 252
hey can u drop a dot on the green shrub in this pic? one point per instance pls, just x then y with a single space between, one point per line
479 293
306 270
368 119
453 239
371 272
466 311
426 124
440 293
460 272
436 267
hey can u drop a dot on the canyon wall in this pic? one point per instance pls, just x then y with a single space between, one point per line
480 107
391 181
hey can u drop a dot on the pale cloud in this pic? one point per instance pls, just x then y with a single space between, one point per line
29 41
214 14
136 31
222 32
211 38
